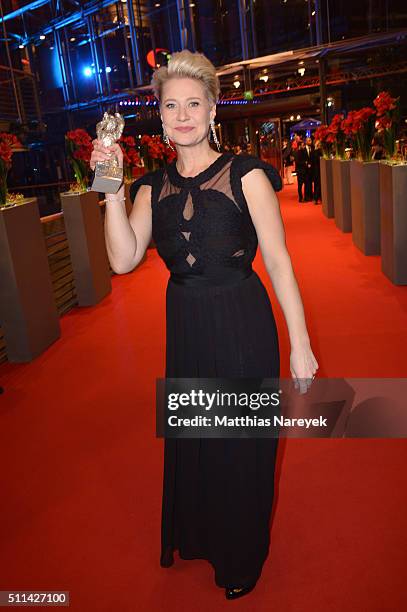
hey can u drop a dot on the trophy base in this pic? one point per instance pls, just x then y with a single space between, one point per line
108 177
106 184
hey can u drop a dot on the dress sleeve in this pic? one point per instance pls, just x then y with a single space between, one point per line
249 162
145 179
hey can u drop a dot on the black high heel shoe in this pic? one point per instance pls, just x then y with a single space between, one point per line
231 594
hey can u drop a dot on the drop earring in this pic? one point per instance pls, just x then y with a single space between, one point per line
214 136
165 138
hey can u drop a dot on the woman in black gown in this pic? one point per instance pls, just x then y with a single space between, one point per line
207 212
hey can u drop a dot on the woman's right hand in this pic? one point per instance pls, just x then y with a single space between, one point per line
102 153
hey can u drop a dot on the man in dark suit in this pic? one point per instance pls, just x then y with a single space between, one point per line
316 173
303 168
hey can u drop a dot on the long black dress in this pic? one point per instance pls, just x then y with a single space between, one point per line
217 493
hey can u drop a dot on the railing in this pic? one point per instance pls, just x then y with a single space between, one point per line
47 194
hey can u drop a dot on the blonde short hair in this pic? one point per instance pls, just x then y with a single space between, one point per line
185 64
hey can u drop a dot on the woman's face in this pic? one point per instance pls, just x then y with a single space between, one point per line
184 104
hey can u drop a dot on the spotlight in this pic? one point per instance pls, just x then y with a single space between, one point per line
42 37
87 71
108 69
21 46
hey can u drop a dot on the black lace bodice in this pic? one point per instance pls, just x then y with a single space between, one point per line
202 222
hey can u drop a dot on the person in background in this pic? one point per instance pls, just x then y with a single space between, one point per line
377 150
316 172
288 161
309 147
237 149
303 170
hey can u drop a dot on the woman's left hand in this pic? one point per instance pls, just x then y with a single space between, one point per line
303 366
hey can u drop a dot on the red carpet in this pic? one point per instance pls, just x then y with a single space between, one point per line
82 469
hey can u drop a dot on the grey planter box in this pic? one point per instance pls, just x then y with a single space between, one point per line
86 239
393 219
365 206
341 191
28 312
327 187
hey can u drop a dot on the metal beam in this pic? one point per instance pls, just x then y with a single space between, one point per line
65 20
16 88
135 49
241 5
28 7
358 74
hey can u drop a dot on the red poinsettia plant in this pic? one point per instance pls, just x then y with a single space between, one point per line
388 119
154 151
8 142
79 149
359 127
325 138
337 135
131 157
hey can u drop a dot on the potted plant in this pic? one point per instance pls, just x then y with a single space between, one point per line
326 139
388 120
132 166
28 311
341 175
393 189
8 144
364 181
78 145
155 153
84 226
